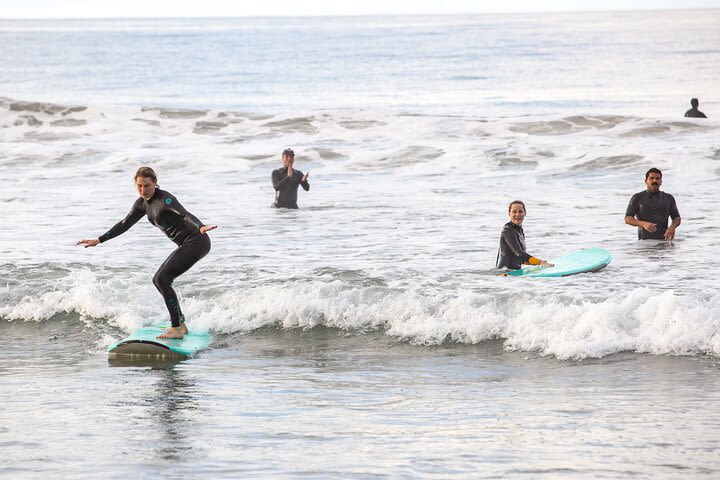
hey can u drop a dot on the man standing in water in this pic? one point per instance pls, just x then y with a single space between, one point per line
694 112
285 180
649 210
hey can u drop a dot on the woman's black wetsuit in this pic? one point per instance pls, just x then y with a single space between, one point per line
512 252
182 227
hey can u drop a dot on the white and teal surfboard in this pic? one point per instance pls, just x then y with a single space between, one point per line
582 261
145 342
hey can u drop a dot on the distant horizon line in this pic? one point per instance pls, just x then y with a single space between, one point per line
368 15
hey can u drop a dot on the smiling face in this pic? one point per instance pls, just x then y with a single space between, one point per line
517 213
145 186
653 182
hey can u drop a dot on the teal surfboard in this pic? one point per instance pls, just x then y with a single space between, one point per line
145 342
582 261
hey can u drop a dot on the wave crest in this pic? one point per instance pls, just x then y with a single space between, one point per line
642 321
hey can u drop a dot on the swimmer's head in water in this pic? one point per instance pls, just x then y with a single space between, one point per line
517 212
694 103
145 182
653 179
288 157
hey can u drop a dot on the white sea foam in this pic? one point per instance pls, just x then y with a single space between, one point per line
640 320
413 204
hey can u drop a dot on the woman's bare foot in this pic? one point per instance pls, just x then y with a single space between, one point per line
175 332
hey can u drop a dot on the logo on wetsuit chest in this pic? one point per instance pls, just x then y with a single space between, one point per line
168 201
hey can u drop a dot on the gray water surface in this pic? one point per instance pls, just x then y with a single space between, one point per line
324 404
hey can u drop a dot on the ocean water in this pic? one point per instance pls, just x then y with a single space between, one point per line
366 334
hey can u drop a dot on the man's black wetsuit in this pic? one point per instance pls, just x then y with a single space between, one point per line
182 227
512 252
695 113
654 208
286 188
